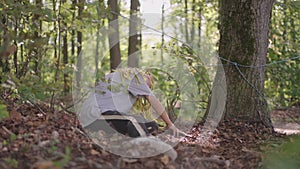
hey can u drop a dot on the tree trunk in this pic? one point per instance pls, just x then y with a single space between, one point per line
55 29
100 7
65 59
38 29
162 35
199 24
15 58
114 40
79 47
133 47
4 46
193 21
186 19
244 32
73 31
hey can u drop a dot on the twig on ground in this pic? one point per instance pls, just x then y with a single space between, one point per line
214 159
7 131
37 106
66 108
34 104
81 132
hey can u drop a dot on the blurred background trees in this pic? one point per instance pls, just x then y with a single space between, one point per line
41 42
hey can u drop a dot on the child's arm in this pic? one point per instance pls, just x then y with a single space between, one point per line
159 109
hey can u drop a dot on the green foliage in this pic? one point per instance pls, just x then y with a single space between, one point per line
65 160
39 67
169 87
12 137
286 155
12 163
283 80
3 112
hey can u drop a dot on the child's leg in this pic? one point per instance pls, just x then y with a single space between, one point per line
152 127
100 125
149 127
119 125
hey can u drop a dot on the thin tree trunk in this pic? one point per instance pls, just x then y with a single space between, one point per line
73 32
186 28
58 60
55 29
133 47
5 45
79 47
16 53
199 24
284 45
2 26
114 40
193 21
65 60
99 8
38 28
163 34
244 39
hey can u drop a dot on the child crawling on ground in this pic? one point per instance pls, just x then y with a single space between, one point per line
126 91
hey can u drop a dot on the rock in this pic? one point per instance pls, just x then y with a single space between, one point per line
147 147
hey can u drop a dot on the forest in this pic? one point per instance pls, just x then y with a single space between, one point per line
226 71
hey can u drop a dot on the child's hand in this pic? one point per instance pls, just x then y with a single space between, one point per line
177 132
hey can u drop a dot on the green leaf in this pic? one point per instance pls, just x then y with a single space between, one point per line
3 112
12 163
66 158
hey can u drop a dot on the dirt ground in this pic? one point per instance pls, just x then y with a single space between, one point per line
36 138
287 121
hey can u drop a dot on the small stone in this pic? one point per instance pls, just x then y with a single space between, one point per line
55 135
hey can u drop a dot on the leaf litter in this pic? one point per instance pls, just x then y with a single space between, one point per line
34 140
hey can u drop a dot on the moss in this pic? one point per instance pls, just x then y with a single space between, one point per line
238 32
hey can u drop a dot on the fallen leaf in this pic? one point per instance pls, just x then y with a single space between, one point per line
94 152
44 165
13 114
165 159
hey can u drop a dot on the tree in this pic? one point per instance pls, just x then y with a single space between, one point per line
114 40
37 26
134 37
244 29
65 55
79 42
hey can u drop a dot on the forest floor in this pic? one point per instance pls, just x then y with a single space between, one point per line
36 138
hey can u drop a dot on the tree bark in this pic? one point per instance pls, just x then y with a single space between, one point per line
193 21
162 35
4 45
57 63
38 29
15 44
244 32
73 31
65 59
199 24
79 46
133 47
100 7
114 40
186 21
